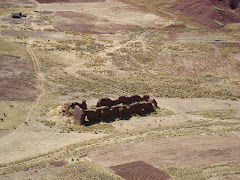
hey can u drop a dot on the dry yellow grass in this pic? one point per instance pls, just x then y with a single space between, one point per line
220 169
86 170
222 113
16 113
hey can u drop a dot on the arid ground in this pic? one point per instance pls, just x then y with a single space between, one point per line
183 53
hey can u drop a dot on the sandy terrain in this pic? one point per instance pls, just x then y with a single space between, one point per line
198 104
237 57
25 144
41 142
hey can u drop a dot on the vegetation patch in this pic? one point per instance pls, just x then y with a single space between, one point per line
218 23
191 47
221 114
48 123
162 112
220 169
15 111
7 10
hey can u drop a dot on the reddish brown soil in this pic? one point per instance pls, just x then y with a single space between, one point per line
58 163
190 151
16 79
139 170
69 1
227 44
203 12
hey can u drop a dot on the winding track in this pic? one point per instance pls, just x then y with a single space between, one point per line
40 80
40 84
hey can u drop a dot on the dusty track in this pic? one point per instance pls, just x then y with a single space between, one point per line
40 84
40 81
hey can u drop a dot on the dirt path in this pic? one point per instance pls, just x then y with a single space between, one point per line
40 84
40 78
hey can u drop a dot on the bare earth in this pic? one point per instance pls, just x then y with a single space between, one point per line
25 144
194 151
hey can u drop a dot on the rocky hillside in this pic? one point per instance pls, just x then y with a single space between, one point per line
211 13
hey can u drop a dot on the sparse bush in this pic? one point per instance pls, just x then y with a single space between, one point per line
48 123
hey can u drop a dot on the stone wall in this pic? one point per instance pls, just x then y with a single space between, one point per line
107 108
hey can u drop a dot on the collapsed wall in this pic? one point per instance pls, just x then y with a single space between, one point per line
107 108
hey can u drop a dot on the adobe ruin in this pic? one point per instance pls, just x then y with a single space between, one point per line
107 108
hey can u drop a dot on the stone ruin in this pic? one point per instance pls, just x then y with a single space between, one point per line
107 108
